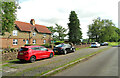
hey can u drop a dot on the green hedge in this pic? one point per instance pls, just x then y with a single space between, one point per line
46 45
58 42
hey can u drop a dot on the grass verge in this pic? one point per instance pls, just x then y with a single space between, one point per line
113 43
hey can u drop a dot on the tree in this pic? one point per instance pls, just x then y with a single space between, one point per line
8 16
60 32
118 32
75 33
94 29
102 30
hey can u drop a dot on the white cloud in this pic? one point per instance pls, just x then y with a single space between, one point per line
49 12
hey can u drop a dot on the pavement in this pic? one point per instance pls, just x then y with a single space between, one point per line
16 68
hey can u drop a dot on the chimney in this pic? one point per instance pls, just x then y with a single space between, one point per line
32 22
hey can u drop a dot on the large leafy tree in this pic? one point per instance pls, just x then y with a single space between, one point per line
8 16
118 32
102 30
95 29
75 33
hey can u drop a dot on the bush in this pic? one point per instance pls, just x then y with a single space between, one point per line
46 45
58 42
12 49
113 43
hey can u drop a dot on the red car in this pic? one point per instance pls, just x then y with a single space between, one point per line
32 53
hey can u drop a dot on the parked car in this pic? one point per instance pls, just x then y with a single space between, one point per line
104 44
95 44
63 48
32 53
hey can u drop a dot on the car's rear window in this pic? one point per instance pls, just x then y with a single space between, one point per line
59 45
23 49
93 43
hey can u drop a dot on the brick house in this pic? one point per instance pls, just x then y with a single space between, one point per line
26 33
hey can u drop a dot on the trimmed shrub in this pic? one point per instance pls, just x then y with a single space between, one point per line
46 45
58 42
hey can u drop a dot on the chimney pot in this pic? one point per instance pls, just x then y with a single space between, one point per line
32 22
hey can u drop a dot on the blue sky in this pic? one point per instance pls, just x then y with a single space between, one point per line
50 12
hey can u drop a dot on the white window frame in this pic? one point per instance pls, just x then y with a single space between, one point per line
15 42
34 41
44 35
44 41
14 32
34 33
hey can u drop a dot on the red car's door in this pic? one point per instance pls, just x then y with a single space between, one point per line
44 51
37 52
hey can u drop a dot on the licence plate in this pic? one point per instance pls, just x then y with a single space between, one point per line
21 53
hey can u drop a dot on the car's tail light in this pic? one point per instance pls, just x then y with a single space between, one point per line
59 48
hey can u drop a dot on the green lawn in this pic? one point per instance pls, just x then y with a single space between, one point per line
113 43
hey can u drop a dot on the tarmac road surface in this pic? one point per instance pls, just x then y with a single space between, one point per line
103 64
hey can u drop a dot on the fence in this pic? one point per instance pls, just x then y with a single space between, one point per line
82 45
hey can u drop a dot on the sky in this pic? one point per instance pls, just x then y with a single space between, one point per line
51 12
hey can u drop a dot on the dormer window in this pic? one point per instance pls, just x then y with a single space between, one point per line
14 32
34 34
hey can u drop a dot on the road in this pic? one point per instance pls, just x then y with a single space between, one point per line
103 64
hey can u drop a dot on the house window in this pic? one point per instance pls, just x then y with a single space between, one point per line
27 41
44 41
23 40
34 34
34 41
15 41
14 32
44 35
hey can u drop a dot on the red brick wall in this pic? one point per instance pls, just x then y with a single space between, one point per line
6 43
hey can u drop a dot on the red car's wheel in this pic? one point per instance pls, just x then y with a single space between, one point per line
32 59
51 55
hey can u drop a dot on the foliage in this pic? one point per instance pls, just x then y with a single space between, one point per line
8 16
75 33
85 41
47 45
59 30
112 43
58 42
102 30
